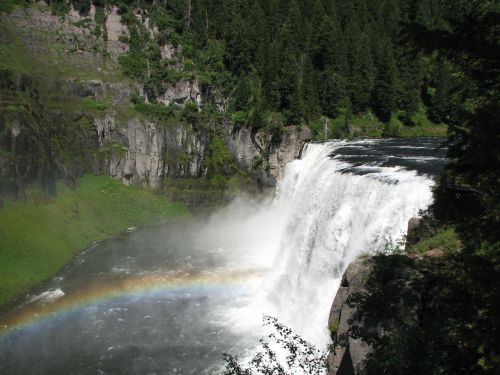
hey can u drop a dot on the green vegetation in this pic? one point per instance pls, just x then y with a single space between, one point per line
446 321
13 55
443 238
220 162
368 125
53 63
52 130
333 327
93 104
347 68
159 111
207 193
7 5
304 60
39 237
301 356
301 60
421 125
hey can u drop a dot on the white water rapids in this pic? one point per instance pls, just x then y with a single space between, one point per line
324 216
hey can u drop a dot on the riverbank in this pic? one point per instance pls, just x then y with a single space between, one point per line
38 238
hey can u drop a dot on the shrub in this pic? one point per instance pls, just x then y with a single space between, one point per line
160 111
93 104
300 355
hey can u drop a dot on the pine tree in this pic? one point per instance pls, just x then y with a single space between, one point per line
294 25
440 106
309 91
362 73
331 91
258 35
384 90
239 57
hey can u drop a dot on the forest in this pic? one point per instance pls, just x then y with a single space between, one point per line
269 64
289 62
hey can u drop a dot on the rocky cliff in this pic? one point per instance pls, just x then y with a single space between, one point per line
77 54
152 152
256 153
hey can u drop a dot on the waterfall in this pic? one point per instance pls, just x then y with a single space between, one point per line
335 213
173 298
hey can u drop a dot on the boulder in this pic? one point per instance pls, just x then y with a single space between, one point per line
413 224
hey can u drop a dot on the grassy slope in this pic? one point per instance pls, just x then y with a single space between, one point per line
36 240
368 125
444 238
423 126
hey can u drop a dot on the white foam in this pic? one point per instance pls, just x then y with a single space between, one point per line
320 220
120 271
48 296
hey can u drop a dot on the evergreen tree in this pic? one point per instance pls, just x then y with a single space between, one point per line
362 72
315 30
331 91
313 53
384 90
309 92
239 55
258 35
410 82
440 106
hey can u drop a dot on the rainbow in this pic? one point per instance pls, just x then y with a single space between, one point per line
150 284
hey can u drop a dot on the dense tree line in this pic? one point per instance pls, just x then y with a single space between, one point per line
301 59
313 57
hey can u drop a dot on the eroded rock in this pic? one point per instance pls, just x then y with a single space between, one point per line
379 297
349 354
255 153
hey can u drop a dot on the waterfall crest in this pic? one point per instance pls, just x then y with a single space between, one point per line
336 211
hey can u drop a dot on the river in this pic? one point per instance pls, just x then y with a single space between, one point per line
171 299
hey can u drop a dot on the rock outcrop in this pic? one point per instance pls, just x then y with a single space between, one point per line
115 29
349 354
413 224
142 152
380 298
256 153
67 43
181 92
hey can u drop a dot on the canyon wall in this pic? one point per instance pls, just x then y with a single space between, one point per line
79 56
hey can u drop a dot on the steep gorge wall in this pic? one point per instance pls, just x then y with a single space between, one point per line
256 152
177 151
133 147
152 150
